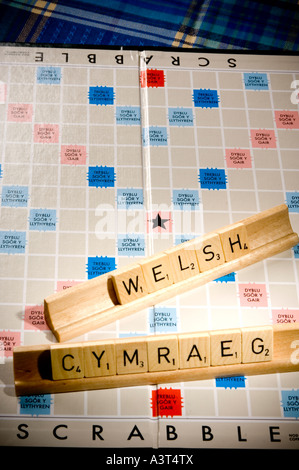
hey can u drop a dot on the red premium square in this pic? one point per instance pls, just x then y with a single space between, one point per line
152 78
167 402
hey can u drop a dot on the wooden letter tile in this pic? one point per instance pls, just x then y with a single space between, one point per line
163 353
157 272
209 252
183 263
99 359
194 350
67 361
129 284
131 356
234 241
257 344
225 347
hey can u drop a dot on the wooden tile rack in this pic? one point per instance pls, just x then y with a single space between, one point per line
156 359
110 297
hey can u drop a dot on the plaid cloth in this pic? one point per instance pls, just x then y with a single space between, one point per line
229 24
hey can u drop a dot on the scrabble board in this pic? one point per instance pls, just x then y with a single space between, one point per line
109 156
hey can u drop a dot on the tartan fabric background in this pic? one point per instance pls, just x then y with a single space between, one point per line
228 24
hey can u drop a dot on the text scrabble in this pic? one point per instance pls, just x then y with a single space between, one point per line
144 360
113 295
